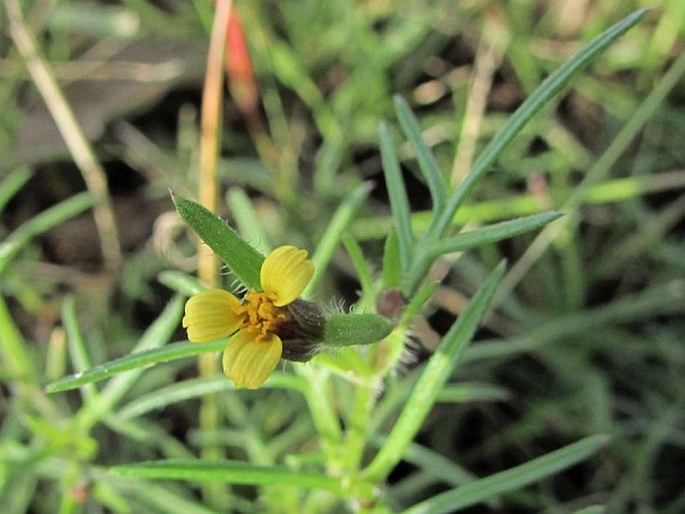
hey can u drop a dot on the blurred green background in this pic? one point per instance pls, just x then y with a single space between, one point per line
588 334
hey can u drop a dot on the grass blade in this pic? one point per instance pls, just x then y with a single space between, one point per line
41 223
12 183
233 472
359 263
247 219
549 87
170 352
511 479
331 237
491 234
78 351
429 167
399 203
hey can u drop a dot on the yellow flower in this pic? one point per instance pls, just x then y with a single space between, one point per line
254 351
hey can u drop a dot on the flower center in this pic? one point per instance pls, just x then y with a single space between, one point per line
260 314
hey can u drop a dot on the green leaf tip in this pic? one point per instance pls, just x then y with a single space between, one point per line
241 257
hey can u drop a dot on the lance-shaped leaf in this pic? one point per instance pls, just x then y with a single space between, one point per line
233 472
132 361
237 253
491 233
549 87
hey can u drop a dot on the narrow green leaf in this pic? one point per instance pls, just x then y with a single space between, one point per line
429 167
549 87
433 378
416 303
359 262
247 219
78 351
170 352
12 183
182 283
511 479
14 352
399 203
437 465
330 239
77 346
460 393
467 240
240 256
491 234
233 472
41 223
392 268
160 498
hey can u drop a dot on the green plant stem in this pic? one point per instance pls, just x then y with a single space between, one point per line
432 379
320 404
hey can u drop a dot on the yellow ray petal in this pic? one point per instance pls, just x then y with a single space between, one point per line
285 273
211 315
249 362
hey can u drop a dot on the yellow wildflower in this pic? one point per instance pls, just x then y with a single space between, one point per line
254 351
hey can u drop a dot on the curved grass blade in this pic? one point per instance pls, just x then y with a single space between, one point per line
12 183
511 479
233 472
156 335
41 223
247 219
354 251
549 87
322 255
238 254
133 361
433 378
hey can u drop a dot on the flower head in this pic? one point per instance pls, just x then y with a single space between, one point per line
254 351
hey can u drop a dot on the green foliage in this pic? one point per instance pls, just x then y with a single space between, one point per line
572 130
